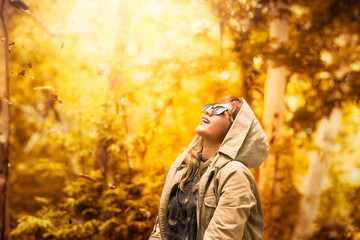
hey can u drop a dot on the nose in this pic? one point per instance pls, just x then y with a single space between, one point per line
208 112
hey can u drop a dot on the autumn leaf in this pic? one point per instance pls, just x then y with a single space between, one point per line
44 88
21 6
22 73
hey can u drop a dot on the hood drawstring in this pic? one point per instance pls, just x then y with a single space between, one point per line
216 185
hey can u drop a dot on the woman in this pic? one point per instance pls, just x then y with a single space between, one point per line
209 192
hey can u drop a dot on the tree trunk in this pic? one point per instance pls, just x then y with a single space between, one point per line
326 134
101 156
4 122
273 121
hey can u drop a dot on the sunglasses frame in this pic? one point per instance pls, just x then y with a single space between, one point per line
214 110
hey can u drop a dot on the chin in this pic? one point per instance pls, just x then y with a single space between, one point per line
200 131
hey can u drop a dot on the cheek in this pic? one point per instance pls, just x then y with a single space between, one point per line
221 130
225 130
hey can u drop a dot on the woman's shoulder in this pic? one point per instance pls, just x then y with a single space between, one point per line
234 165
236 168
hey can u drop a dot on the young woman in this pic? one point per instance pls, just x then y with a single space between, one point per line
209 192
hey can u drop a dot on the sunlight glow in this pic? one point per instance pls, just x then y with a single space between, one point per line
324 75
341 40
355 175
326 57
309 130
257 61
297 10
95 22
337 147
355 66
154 8
132 49
182 24
81 14
302 134
307 25
225 75
289 116
356 119
292 103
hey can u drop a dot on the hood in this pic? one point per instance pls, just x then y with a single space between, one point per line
246 141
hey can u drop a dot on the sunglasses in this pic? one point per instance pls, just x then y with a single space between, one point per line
216 110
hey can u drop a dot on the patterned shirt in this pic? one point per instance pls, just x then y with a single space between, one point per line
181 213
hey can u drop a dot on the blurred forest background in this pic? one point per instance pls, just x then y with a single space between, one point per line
105 94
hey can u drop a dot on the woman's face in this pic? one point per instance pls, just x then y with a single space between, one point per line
214 127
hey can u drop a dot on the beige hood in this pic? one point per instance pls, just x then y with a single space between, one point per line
245 141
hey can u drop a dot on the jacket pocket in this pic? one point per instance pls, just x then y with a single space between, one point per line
210 201
210 206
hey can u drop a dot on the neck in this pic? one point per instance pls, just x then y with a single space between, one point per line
210 149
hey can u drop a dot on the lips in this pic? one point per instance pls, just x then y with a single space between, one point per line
204 120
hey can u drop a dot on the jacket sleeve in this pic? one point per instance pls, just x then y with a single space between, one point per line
235 201
155 235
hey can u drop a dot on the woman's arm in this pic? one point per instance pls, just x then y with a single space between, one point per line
235 203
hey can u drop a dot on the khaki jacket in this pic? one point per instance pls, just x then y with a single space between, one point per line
229 204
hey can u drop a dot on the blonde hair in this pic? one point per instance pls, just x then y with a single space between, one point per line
192 158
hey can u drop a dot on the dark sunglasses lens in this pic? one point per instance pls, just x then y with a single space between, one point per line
206 107
218 110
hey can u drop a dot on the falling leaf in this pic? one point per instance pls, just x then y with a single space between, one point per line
22 73
127 209
112 186
7 101
145 213
101 70
41 199
54 96
86 177
21 6
123 101
10 45
44 88
62 45
51 130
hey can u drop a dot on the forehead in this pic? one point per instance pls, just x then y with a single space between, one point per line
226 105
